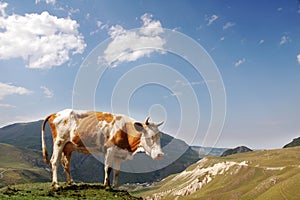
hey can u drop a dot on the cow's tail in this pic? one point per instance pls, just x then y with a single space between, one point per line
44 148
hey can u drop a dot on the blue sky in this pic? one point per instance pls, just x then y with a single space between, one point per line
255 46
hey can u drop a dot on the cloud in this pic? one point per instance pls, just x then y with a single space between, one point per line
47 92
47 1
8 89
7 105
176 94
212 19
130 45
43 40
284 39
3 5
100 26
228 25
298 58
239 62
261 42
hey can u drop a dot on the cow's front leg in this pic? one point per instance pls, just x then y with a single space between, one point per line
117 163
108 162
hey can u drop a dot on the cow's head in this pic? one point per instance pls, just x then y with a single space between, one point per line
150 138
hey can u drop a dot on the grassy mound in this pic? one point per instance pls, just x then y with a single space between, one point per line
77 191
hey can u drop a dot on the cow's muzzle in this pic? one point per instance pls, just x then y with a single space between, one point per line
159 156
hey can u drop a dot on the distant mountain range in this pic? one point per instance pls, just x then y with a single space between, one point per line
240 149
205 151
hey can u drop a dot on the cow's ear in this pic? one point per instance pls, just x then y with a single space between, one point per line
138 126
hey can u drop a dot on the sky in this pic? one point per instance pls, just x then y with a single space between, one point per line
219 73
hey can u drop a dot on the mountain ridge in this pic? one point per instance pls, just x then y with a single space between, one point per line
294 143
239 149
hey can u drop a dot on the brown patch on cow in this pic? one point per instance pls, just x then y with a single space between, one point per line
118 118
76 140
129 140
66 122
52 126
87 132
104 117
69 148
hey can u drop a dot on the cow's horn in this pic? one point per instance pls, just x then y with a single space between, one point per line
147 121
159 123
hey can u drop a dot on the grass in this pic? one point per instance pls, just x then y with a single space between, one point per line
76 191
269 174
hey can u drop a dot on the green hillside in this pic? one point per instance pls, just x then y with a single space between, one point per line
20 165
267 174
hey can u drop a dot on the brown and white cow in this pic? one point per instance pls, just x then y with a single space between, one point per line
119 137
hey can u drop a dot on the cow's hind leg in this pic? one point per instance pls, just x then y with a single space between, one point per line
56 155
66 161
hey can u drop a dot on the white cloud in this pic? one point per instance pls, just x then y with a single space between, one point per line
47 92
284 39
239 62
8 89
212 19
298 58
261 42
179 84
228 25
47 1
43 40
3 5
7 105
100 26
130 45
176 94
222 38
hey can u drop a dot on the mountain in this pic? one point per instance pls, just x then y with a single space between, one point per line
265 174
294 143
87 168
20 165
240 149
208 151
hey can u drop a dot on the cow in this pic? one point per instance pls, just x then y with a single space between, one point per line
118 137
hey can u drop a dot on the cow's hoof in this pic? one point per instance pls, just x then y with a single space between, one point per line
108 187
55 186
70 182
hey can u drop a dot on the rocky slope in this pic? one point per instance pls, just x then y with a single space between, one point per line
294 143
268 174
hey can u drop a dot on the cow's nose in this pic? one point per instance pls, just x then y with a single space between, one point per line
159 156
